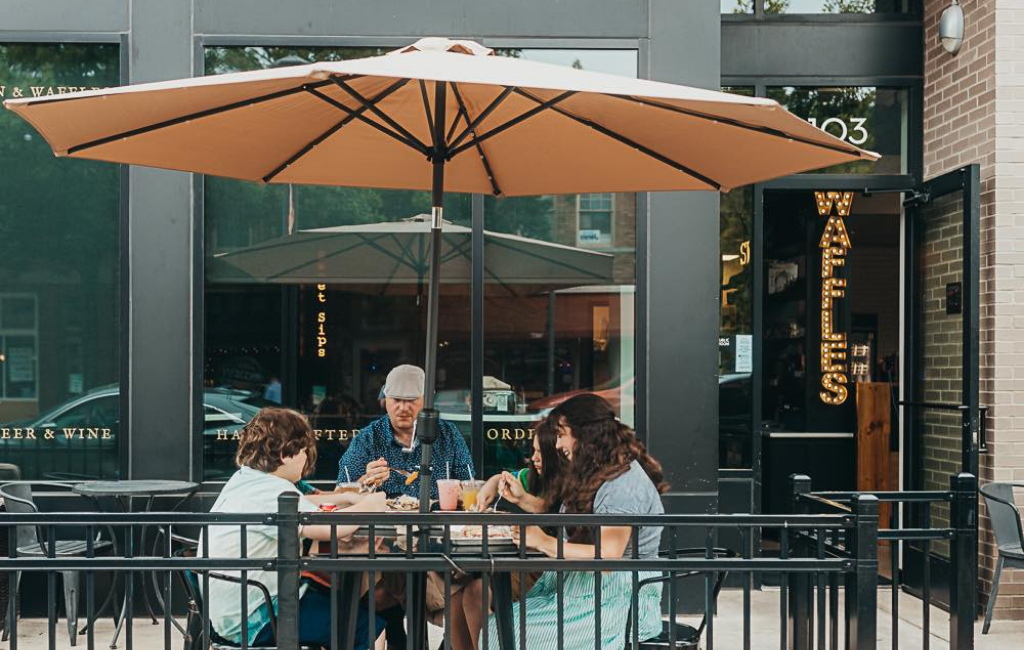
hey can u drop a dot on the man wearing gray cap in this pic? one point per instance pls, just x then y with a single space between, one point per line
389 443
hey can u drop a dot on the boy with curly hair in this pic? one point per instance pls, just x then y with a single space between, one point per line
276 449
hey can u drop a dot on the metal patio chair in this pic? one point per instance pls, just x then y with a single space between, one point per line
194 628
687 637
1006 524
32 542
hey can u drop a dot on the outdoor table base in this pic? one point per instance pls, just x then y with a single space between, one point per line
122 492
417 616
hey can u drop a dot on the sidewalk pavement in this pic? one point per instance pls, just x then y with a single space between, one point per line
728 628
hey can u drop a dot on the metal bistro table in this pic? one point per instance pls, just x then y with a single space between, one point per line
501 581
123 493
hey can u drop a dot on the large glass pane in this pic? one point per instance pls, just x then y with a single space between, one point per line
835 6
938 375
869 117
317 326
737 6
559 313
736 330
59 221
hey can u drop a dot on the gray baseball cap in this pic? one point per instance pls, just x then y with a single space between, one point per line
404 382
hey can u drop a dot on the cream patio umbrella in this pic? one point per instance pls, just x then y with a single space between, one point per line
440 115
393 253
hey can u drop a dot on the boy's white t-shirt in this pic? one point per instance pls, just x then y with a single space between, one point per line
248 490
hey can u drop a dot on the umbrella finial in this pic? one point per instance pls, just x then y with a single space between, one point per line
441 44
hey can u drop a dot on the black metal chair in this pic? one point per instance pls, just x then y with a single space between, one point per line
687 637
195 632
1006 524
32 542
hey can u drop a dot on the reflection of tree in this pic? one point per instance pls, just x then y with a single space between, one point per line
59 220
842 103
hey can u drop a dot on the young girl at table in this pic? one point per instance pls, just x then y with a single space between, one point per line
535 490
609 472
276 449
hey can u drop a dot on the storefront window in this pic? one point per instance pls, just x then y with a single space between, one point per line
737 6
835 6
736 340
871 118
559 314
59 296
314 321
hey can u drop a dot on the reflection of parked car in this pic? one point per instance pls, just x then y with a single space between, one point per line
612 390
78 439
499 397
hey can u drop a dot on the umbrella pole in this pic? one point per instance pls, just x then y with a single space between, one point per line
426 428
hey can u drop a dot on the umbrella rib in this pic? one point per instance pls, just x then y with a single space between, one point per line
192 116
508 125
340 83
738 124
647 151
469 126
426 106
329 132
414 144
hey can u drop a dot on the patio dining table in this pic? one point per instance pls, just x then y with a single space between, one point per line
123 493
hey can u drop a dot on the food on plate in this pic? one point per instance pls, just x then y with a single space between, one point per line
477 532
404 503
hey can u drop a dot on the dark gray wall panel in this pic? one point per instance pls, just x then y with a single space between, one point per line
564 18
160 249
57 16
682 356
819 49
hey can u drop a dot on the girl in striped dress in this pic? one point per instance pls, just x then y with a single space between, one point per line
609 472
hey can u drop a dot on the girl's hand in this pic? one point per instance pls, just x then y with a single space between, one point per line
488 493
535 539
511 489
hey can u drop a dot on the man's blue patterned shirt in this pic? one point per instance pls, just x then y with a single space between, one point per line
377 440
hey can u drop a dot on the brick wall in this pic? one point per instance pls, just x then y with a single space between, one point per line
974 112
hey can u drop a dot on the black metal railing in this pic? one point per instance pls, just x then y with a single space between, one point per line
431 544
911 537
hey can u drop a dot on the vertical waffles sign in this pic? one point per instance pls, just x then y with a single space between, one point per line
834 244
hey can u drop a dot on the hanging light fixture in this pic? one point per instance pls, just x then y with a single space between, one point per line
951 27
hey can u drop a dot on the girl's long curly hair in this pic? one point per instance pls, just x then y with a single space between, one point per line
604 450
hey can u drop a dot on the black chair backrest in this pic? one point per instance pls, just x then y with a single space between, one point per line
1003 513
17 497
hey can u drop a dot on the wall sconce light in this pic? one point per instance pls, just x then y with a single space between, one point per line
951 27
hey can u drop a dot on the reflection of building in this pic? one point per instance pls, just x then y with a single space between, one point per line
602 222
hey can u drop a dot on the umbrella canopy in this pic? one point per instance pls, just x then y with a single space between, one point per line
510 127
395 253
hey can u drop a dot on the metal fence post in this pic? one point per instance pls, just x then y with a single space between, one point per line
963 556
862 584
288 571
800 597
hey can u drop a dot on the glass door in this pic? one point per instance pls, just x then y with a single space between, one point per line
941 420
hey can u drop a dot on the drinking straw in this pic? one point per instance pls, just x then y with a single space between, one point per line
448 469
348 476
469 471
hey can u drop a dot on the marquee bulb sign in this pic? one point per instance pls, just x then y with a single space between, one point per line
834 244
